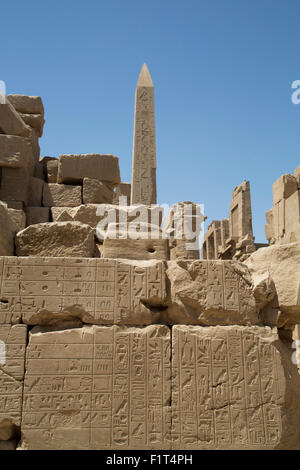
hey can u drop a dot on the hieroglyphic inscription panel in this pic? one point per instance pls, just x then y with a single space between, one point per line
12 357
94 290
228 388
98 388
213 292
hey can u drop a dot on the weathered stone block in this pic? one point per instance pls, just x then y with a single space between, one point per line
122 190
51 169
135 249
284 187
15 151
61 195
27 104
210 293
56 239
87 214
233 388
17 219
74 168
36 121
112 384
37 215
14 185
12 357
96 192
6 232
11 123
99 291
35 192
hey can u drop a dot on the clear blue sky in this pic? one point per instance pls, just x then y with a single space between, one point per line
222 72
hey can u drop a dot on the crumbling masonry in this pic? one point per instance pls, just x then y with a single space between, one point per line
135 343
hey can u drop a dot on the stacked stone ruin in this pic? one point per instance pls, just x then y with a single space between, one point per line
121 343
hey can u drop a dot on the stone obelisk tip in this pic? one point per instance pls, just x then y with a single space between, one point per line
145 77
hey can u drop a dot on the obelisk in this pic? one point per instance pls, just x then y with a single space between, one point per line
143 185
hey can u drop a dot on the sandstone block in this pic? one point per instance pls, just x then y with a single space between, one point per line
51 169
98 291
34 139
135 249
10 303
39 171
35 194
37 215
12 356
6 232
87 214
27 104
18 205
96 192
56 239
282 264
284 187
11 123
36 121
74 168
61 195
297 175
112 383
17 219
92 214
210 293
233 387
14 185
15 151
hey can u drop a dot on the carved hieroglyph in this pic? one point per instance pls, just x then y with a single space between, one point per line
12 355
229 389
211 293
103 291
97 388
143 187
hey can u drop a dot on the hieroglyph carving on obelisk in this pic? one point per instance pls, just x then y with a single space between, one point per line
143 188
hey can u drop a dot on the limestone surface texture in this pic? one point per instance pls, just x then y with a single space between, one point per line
56 239
143 188
232 388
105 388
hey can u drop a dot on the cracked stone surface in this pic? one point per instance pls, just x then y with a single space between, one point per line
233 387
210 293
97 388
12 355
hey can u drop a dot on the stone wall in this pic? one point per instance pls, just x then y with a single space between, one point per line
123 343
